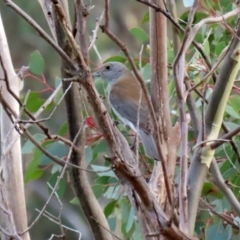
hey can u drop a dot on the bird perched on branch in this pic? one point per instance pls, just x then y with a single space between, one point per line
129 103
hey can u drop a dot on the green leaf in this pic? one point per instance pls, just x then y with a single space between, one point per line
56 168
146 72
234 102
137 233
60 92
101 147
57 149
206 48
101 86
57 81
219 232
116 58
63 129
88 155
210 189
113 192
36 174
108 210
103 171
171 88
219 48
113 180
36 63
232 112
231 125
130 221
112 223
74 201
139 34
29 146
34 102
236 183
145 18
32 172
100 186
102 180
125 209
99 189
224 150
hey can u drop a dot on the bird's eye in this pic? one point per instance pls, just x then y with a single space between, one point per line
108 67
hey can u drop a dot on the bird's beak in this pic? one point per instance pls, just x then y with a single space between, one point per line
96 74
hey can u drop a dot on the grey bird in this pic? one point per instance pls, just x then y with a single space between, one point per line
129 103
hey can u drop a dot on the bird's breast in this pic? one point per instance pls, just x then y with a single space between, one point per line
125 121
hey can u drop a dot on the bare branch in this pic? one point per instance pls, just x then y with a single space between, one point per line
94 35
225 137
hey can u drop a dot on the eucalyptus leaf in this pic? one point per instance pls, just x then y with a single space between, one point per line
36 63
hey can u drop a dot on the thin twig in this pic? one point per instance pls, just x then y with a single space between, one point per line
60 211
45 104
225 137
220 182
44 107
94 35
212 140
221 57
13 234
51 218
224 217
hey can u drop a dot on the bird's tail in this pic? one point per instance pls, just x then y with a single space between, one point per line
149 145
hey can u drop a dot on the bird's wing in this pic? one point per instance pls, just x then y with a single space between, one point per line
132 111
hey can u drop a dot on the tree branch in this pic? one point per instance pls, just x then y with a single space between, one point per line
220 182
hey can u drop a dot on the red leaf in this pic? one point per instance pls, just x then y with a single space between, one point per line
90 122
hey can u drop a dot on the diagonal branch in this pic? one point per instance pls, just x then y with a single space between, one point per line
220 182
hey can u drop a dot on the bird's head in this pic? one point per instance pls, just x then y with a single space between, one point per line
111 72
